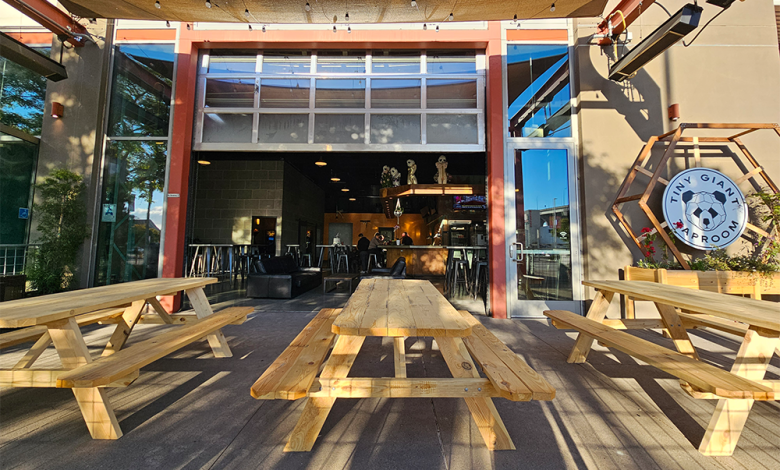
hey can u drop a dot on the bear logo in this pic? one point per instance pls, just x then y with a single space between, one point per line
705 210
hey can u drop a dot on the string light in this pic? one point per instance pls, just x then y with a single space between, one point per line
334 28
437 28
167 24
552 7
250 27
157 4
307 7
263 28
346 17
425 26
208 4
414 4
349 29
188 26
515 18
246 12
451 17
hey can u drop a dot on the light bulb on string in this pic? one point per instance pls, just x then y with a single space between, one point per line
263 28
208 4
157 4
250 27
552 7
246 12
414 4
425 26
346 17
167 24
437 28
349 29
334 28
307 7
451 17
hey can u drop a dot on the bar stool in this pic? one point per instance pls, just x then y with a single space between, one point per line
342 255
480 273
306 257
372 259
460 275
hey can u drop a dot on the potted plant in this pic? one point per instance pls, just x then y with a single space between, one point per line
62 228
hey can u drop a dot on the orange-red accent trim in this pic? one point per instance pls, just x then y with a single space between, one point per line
146 34
32 38
537 35
51 18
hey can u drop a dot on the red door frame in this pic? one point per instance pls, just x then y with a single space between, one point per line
191 41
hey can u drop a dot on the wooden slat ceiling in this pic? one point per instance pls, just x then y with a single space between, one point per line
333 11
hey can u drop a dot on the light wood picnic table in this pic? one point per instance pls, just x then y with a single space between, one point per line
761 320
399 308
58 311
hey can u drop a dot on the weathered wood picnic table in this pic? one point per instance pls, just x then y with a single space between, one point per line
736 390
398 308
56 319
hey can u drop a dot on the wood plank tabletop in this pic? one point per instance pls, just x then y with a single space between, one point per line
399 307
47 308
759 313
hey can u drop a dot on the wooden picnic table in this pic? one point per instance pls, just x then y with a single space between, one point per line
682 308
122 304
398 308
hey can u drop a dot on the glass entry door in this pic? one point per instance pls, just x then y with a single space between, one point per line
542 236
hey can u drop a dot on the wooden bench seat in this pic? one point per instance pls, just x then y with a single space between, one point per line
33 333
108 369
701 376
511 376
292 374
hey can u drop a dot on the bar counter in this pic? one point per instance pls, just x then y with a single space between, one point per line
423 260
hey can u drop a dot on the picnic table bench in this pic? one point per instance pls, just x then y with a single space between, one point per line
398 309
62 314
736 390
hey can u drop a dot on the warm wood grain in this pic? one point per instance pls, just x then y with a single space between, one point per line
399 307
110 368
701 375
47 378
758 313
48 308
389 387
597 312
32 333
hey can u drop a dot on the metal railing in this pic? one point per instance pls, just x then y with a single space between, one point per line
14 258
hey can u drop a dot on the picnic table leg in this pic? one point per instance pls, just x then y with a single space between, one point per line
730 416
122 331
35 352
161 312
399 356
95 407
203 309
316 409
483 410
676 330
597 312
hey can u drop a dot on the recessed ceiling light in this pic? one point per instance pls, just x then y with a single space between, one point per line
320 163
345 189
204 162
352 199
335 178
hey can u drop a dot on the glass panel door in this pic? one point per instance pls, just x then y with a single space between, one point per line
544 252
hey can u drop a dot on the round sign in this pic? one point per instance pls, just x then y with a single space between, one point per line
704 208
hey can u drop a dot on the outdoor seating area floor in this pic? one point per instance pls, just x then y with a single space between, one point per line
190 410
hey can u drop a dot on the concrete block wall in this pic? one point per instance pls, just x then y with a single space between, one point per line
304 202
229 193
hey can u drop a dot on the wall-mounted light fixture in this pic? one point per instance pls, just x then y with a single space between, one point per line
57 110
674 112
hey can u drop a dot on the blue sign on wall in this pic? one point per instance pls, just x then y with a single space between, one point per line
24 213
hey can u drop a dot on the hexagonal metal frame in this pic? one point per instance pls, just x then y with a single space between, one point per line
673 138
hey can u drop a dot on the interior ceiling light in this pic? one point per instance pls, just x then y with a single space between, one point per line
204 162
345 189
320 163
307 7
352 199
157 4
335 178
552 7
208 4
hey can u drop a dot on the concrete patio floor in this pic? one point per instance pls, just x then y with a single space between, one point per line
190 410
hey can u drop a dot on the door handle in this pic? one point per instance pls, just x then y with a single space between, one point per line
522 254
513 253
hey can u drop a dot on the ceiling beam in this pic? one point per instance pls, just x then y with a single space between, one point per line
630 9
53 19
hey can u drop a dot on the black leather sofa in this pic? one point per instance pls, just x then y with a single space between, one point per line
280 277
397 271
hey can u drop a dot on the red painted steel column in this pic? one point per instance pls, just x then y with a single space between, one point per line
494 103
179 172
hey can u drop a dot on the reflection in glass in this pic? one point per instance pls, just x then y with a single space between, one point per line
396 62
395 128
132 201
395 93
451 94
283 128
538 91
232 61
451 62
336 62
340 94
22 95
230 93
141 90
452 129
286 63
542 202
339 129
284 93
227 128
18 162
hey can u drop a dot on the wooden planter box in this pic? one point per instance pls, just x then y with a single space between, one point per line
726 282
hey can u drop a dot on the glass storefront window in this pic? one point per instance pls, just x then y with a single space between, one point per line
451 94
17 170
287 63
339 128
141 90
340 94
395 62
22 96
395 93
284 93
451 62
452 129
539 95
227 127
132 209
283 128
232 61
230 93
395 128
337 62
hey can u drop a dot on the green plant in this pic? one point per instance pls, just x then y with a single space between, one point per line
62 229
